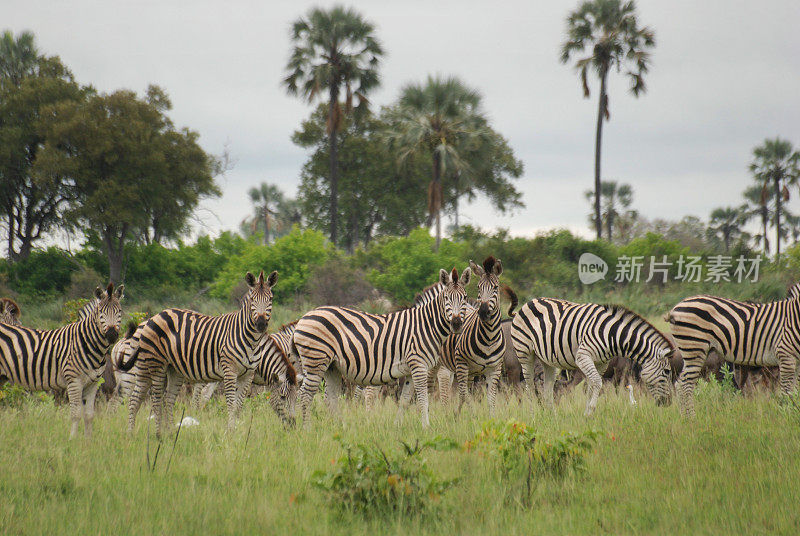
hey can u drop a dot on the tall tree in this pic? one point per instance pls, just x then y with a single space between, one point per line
379 198
776 165
757 198
727 222
120 152
272 210
442 119
30 204
614 197
334 51
609 32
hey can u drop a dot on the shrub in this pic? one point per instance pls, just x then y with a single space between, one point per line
43 273
83 282
368 479
72 308
525 459
338 283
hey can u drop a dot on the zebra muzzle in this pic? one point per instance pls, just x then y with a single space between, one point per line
261 323
112 334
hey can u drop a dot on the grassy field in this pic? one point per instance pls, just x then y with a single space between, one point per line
735 468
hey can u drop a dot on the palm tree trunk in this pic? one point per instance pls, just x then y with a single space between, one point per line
601 106
435 203
777 217
609 225
765 223
266 224
334 161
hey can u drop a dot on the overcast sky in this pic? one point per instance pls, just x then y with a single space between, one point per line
725 75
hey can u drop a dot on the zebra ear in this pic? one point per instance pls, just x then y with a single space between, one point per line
98 293
465 277
119 292
444 277
498 267
272 279
477 270
250 279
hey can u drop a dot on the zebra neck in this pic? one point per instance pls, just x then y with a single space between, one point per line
250 335
91 340
434 312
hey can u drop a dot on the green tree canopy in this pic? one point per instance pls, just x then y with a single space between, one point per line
133 174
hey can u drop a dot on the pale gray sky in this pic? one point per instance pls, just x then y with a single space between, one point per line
725 74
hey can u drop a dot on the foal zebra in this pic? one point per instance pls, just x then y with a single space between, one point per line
754 334
565 335
176 346
370 349
479 348
71 357
9 312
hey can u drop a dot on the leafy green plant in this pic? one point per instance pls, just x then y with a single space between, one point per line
369 479
525 459
72 308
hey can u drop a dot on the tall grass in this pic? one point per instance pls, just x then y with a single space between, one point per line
734 468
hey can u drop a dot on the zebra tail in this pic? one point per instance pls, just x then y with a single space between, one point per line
131 329
511 295
125 367
668 318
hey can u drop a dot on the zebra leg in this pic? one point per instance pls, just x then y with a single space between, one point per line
405 400
174 383
419 375
462 380
333 389
89 394
143 381
370 394
157 389
595 382
197 395
445 378
787 365
692 367
548 384
307 391
492 385
75 394
230 384
243 385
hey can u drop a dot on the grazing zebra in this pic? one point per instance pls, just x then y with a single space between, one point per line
120 352
71 357
753 334
275 370
9 312
479 348
370 349
565 335
177 345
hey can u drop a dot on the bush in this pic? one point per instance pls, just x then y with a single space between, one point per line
369 480
293 255
338 283
525 459
83 282
403 266
43 273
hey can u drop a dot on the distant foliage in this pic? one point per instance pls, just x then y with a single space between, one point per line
403 266
72 308
337 283
292 255
43 273
369 480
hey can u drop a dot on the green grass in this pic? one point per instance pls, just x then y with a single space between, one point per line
734 469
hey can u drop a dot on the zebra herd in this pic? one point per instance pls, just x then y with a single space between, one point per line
444 335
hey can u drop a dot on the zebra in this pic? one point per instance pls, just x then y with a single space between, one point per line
123 349
370 349
479 348
743 333
10 312
71 357
275 370
177 345
566 335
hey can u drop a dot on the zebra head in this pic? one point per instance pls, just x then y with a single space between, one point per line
108 312
488 285
794 292
454 297
9 312
656 371
259 298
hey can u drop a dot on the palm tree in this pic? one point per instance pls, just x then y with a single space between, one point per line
776 164
442 118
18 57
609 31
728 222
267 200
613 195
758 206
334 51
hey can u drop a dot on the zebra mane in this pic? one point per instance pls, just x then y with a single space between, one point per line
627 313
287 325
431 290
488 264
793 292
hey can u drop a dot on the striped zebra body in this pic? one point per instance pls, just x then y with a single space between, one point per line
9 312
71 357
122 352
479 348
753 334
566 335
276 371
370 349
178 346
